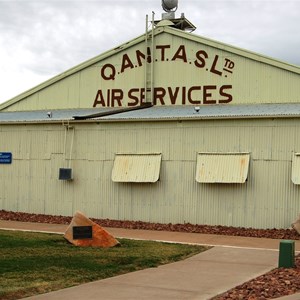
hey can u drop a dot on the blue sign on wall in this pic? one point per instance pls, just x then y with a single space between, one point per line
5 157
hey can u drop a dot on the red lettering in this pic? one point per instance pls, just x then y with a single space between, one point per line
159 94
142 95
149 56
126 63
213 67
228 97
116 95
180 54
201 55
99 99
139 57
162 52
108 98
183 95
191 90
131 96
108 72
207 94
173 96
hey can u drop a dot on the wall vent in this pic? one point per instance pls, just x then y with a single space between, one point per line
65 174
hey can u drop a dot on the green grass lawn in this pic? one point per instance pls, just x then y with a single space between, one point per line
33 263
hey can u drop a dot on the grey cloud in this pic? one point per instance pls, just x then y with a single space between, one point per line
266 27
61 34
47 37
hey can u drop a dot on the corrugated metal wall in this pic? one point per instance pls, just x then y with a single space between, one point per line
267 199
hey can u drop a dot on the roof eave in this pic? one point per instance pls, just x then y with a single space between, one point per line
236 50
163 119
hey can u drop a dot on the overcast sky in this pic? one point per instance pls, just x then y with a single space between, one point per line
42 38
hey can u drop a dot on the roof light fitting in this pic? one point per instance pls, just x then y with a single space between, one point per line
197 109
169 5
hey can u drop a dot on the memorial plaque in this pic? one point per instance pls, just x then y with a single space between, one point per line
82 232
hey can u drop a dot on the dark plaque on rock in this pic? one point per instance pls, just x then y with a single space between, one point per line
82 232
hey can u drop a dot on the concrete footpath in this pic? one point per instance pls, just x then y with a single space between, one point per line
233 261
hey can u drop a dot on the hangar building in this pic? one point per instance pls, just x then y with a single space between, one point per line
169 127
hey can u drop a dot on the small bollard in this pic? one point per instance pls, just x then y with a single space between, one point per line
286 254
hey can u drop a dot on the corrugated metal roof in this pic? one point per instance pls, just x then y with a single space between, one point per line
136 167
43 115
222 167
210 111
160 113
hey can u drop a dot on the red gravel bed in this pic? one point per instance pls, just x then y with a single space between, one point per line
276 283
287 234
